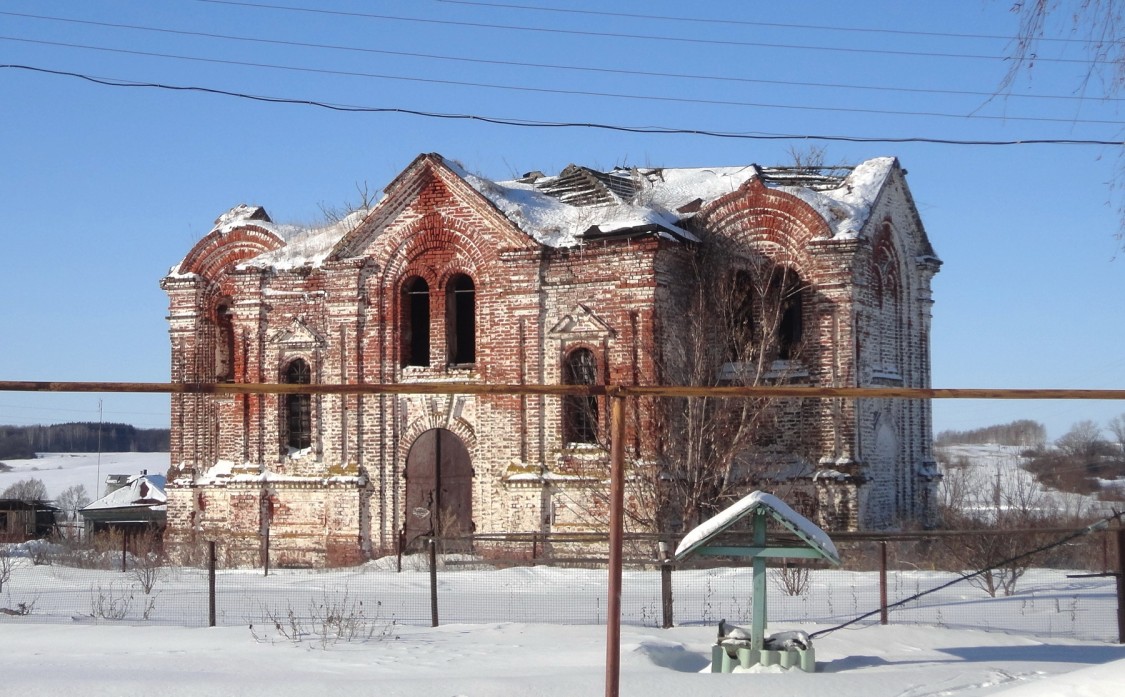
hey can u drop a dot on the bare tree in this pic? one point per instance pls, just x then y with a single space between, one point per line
26 490
992 507
1084 439
1117 428
338 213
739 324
72 499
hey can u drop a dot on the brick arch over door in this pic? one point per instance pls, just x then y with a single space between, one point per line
439 487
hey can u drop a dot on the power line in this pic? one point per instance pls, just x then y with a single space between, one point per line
530 123
576 93
526 64
646 37
749 23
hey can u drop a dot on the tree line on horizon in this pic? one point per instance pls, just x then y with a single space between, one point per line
23 442
1024 432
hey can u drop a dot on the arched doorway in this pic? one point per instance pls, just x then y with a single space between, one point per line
439 493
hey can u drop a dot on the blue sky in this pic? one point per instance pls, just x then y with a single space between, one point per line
102 189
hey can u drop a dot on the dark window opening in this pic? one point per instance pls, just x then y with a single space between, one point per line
580 412
461 324
790 329
298 407
224 344
741 330
416 329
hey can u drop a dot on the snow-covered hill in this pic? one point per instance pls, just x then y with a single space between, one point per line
991 467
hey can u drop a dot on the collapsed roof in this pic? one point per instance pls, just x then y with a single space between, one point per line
580 204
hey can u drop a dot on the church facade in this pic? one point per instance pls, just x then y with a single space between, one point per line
581 278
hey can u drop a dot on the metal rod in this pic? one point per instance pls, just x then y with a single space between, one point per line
591 390
616 537
211 583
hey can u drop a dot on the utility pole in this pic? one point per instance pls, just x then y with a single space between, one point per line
98 482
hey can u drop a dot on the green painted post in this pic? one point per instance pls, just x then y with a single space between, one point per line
758 602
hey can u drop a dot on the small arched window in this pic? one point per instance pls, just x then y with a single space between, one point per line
580 412
298 407
460 320
416 322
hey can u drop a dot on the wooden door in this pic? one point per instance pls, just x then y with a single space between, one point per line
439 493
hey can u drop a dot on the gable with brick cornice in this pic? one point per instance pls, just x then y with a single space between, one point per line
429 188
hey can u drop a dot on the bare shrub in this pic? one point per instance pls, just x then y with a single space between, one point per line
335 618
5 564
21 609
791 579
110 603
148 560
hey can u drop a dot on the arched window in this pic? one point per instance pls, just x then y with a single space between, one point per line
791 321
416 322
580 412
298 407
224 344
886 288
740 334
460 320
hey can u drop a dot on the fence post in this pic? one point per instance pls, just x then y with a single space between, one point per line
666 592
124 546
882 581
1121 585
665 584
211 583
433 583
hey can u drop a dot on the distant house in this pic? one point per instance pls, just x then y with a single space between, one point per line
131 502
22 520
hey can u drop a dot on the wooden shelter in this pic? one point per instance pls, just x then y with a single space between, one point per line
723 536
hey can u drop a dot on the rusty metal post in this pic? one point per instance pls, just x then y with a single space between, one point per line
616 537
882 581
665 584
211 583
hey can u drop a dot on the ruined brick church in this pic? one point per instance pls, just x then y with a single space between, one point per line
585 277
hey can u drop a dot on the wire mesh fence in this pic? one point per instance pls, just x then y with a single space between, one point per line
1064 590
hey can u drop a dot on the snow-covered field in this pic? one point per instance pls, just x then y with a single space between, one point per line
481 660
501 635
58 471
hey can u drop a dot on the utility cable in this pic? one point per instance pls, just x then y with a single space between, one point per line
576 93
644 37
529 123
525 64
1099 525
750 23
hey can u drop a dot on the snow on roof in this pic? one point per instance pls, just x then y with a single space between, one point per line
306 246
801 525
582 203
141 490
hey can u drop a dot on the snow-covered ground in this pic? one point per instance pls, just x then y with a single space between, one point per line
481 660
926 650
